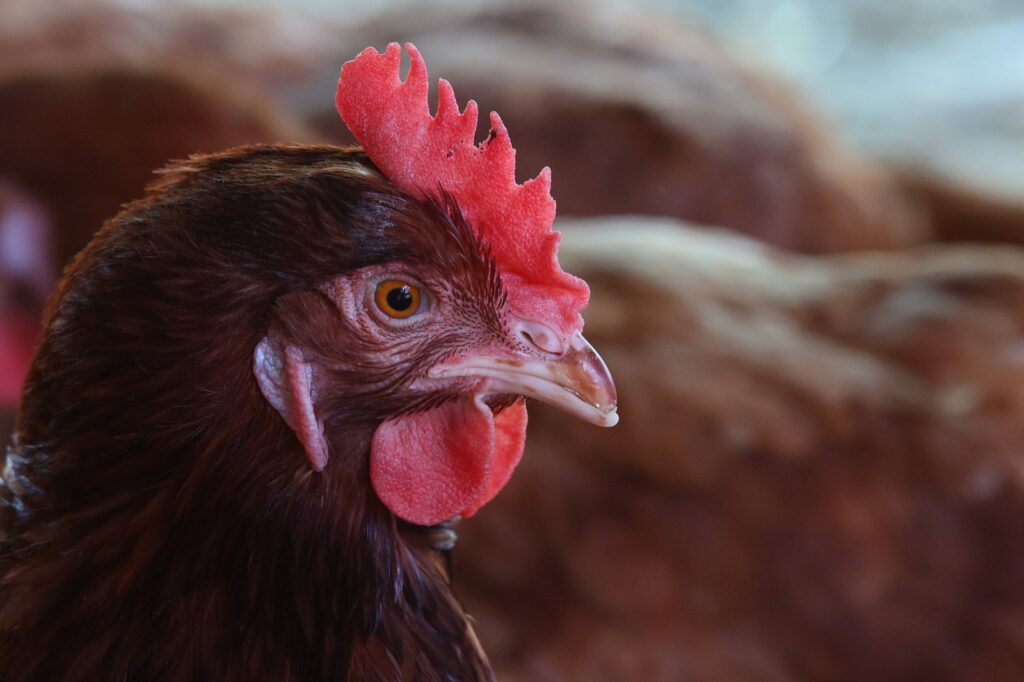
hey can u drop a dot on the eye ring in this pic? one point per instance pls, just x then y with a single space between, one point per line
398 298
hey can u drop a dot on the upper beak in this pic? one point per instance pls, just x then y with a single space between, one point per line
576 380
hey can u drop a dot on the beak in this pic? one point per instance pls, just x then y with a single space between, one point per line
576 381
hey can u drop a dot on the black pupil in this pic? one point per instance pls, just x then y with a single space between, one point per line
400 298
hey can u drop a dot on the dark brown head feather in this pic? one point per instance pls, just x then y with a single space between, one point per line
159 521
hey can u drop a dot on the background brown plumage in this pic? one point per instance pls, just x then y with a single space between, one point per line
817 474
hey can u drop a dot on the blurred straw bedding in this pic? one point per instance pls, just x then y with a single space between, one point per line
818 474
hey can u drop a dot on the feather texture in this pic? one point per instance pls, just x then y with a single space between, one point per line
159 519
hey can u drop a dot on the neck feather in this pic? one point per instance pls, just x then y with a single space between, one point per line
233 560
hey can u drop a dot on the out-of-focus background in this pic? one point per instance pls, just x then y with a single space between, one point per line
803 225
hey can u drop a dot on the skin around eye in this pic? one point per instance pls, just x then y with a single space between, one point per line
398 298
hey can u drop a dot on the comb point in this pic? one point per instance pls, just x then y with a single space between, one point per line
541 183
416 84
447 105
390 58
498 141
471 112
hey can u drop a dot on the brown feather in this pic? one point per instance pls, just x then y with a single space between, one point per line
159 520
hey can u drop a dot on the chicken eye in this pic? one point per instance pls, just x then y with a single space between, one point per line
397 298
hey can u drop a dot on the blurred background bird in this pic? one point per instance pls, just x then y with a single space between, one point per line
814 309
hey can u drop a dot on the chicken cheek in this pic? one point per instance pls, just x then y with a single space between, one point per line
430 466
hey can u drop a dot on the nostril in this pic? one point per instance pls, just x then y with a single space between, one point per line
541 337
529 339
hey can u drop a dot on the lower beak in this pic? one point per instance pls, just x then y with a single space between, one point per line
576 381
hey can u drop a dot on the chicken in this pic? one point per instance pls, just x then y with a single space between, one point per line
262 391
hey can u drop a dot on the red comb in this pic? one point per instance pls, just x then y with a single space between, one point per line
420 153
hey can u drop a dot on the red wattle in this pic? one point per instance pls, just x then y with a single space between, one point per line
430 466
509 438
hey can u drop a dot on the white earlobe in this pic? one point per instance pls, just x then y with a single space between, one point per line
286 380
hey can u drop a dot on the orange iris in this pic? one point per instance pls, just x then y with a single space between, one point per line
397 298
